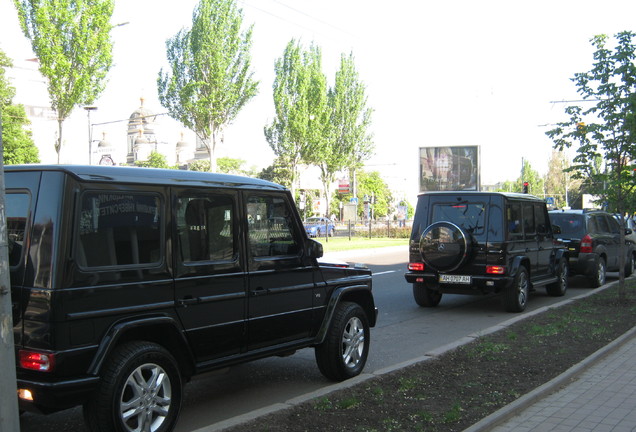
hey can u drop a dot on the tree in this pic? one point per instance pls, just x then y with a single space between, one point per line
295 122
209 80
71 39
18 146
606 130
155 160
344 142
278 172
371 185
559 182
529 175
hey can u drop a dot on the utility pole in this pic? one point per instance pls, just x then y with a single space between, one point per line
9 417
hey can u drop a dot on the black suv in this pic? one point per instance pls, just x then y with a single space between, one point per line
125 282
484 242
593 238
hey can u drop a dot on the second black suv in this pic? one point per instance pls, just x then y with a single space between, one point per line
484 242
593 239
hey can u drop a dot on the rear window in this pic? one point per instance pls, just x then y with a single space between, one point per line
572 225
17 212
469 216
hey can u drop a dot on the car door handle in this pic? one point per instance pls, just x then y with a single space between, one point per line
189 300
259 291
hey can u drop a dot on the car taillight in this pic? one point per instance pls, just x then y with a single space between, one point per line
495 269
586 244
42 362
416 266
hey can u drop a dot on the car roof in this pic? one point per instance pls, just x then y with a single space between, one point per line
483 193
138 175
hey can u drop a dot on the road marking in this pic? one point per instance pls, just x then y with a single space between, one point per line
384 272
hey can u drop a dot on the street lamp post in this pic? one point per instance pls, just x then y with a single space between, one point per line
88 109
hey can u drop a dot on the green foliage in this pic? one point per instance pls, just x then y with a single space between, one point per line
279 172
210 77
200 165
71 39
372 185
534 179
155 160
18 146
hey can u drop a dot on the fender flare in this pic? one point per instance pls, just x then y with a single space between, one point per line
341 294
115 333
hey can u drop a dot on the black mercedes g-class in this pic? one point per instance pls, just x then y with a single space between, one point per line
128 281
484 242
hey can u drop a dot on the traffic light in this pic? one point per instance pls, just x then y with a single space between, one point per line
525 187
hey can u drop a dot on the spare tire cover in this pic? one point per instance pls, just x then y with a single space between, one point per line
444 246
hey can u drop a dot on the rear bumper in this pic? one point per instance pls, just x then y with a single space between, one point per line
479 284
49 397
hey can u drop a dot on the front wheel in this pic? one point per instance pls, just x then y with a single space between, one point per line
140 390
425 296
558 288
343 353
515 296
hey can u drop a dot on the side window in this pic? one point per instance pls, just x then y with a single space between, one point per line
614 226
601 224
205 226
528 220
119 228
270 227
513 216
17 212
541 219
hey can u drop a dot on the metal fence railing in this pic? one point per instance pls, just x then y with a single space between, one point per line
373 229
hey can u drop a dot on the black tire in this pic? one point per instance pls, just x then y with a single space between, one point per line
331 232
343 353
629 265
600 273
444 246
558 288
425 296
143 378
515 296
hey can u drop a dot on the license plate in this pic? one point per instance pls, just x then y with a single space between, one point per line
454 279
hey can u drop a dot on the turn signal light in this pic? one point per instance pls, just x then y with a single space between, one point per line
416 266
495 270
36 361
586 244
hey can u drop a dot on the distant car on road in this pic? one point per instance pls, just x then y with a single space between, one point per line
593 239
319 226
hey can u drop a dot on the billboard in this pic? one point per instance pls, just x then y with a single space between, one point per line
449 168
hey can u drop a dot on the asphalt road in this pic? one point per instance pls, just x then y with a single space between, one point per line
404 331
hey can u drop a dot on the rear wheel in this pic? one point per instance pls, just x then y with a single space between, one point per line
140 390
598 278
515 296
343 353
425 296
559 288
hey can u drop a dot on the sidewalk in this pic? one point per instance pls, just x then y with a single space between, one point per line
598 394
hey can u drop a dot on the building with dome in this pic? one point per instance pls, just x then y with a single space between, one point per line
141 140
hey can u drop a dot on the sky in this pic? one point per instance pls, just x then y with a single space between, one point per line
444 73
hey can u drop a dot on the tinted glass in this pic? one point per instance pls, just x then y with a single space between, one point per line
270 226
528 220
541 219
206 228
119 229
468 216
515 220
17 212
572 225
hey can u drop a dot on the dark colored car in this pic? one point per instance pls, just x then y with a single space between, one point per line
593 239
484 242
319 227
126 282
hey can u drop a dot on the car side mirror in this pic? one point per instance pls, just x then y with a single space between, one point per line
556 229
314 249
628 231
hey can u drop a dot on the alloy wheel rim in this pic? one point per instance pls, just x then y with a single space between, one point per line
353 341
145 399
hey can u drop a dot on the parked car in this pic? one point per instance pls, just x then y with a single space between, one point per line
319 227
593 239
126 282
484 242
630 224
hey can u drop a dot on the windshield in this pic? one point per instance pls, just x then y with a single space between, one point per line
469 216
572 225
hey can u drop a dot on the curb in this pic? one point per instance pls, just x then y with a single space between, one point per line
486 423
